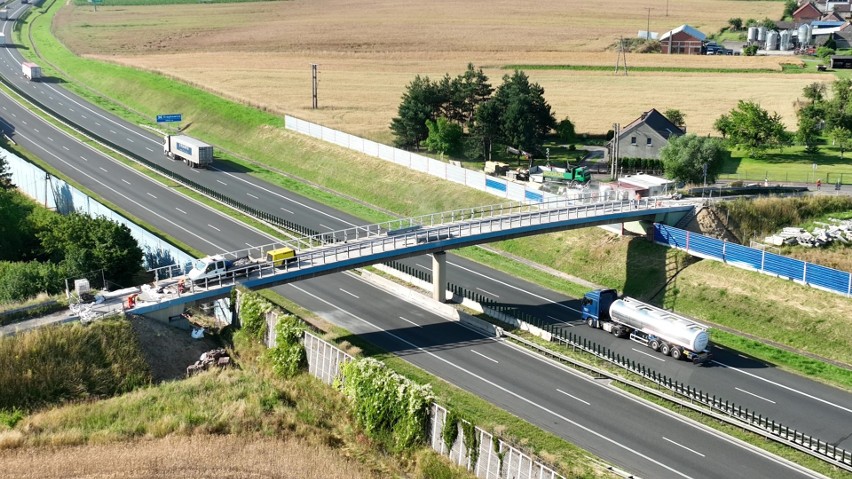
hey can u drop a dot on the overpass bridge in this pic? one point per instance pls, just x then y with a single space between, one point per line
432 234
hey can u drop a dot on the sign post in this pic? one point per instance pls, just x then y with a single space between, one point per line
170 118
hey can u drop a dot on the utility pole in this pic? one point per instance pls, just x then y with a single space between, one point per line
667 8
648 31
314 101
614 152
622 55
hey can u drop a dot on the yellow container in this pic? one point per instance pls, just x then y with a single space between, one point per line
281 255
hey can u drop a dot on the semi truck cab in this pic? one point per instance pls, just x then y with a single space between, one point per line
596 306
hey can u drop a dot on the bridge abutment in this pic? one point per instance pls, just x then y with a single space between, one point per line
439 276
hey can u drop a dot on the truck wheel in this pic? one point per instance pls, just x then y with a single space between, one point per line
665 349
590 322
654 344
676 352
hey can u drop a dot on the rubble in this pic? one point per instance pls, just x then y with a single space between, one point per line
823 235
215 357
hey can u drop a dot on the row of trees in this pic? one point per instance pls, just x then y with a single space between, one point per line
39 248
467 113
826 114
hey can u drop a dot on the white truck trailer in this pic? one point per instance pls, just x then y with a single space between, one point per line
31 71
194 153
660 330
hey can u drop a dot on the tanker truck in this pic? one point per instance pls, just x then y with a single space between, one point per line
194 153
664 331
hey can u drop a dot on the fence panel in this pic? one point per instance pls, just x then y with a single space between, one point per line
456 174
475 179
419 163
783 266
438 168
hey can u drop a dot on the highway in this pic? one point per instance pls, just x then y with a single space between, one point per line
212 232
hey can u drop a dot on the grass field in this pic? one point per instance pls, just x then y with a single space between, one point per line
368 51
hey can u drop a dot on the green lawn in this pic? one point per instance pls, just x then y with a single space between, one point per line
790 165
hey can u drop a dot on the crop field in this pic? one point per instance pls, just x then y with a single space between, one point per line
260 53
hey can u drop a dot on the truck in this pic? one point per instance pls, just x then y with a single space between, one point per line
216 267
669 333
572 174
31 71
194 153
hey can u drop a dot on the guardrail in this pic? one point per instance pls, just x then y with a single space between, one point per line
768 427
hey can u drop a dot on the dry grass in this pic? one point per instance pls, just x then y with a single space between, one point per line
368 51
186 457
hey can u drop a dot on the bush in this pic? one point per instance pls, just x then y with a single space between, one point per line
22 280
252 311
288 356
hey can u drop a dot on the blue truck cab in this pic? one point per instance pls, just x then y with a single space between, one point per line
596 306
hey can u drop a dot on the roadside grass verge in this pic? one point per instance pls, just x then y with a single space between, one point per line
595 256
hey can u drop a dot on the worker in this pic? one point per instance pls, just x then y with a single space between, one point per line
181 286
819 184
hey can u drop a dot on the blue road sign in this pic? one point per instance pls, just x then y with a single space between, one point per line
174 117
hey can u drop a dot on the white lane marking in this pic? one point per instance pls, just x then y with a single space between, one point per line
125 181
410 321
255 197
755 395
327 227
151 195
70 109
681 445
112 131
182 211
24 122
220 181
118 193
838 406
128 139
83 158
96 123
103 169
250 246
350 294
215 228
36 130
505 390
484 356
487 292
575 397
534 295
288 211
49 138
149 149
65 148
424 267
652 356
84 117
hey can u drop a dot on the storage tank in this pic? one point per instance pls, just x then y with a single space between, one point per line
804 35
752 34
661 323
772 40
785 40
761 34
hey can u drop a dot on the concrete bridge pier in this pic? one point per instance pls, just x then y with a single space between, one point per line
439 276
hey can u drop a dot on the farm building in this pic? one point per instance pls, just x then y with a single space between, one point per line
841 61
807 13
644 137
682 40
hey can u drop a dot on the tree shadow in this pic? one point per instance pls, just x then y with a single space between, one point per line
62 197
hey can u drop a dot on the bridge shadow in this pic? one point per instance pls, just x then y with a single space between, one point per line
407 341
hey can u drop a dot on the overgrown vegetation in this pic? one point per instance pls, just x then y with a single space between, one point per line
288 354
50 366
765 216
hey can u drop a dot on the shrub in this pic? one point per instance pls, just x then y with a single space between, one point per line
252 311
288 356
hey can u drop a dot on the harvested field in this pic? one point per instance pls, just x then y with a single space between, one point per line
186 457
368 51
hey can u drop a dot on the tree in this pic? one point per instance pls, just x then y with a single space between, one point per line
5 174
684 158
815 92
841 137
566 131
790 6
17 237
83 245
676 116
736 24
751 127
486 129
526 116
809 128
750 50
767 23
420 102
824 52
469 90
444 136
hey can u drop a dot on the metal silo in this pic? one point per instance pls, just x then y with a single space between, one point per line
804 35
752 34
761 34
772 40
785 40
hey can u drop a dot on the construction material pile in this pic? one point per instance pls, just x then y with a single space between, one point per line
823 235
215 357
